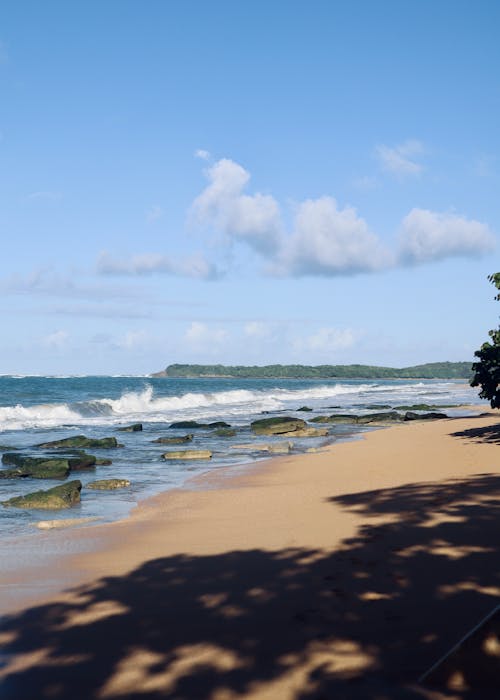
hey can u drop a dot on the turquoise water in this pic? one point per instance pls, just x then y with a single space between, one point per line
38 409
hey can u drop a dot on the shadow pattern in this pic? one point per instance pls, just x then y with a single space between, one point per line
489 433
363 621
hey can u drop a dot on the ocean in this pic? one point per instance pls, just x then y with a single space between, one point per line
36 409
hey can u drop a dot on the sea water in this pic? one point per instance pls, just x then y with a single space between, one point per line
36 409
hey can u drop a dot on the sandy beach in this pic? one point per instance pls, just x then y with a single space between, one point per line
339 574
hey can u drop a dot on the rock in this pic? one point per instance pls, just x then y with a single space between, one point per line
103 462
188 454
134 428
35 467
82 441
336 418
7 448
187 425
193 424
424 416
64 522
275 448
387 417
108 484
276 426
82 461
174 440
304 408
225 432
307 432
424 407
63 496
376 406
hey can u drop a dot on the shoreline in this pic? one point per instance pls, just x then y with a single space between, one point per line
308 511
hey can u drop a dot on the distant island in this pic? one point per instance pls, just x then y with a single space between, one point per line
431 370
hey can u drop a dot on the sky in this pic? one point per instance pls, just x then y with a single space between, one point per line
247 182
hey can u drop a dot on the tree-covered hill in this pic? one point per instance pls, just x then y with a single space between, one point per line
433 370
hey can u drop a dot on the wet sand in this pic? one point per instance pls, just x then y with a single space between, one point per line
345 573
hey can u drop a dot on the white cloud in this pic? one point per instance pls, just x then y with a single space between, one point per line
256 329
202 154
154 213
132 340
224 206
195 266
56 340
326 340
427 235
330 241
202 337
44 196
401 160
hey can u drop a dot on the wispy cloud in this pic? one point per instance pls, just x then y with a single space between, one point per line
427 235
154 213
56 340
401 160
44 196
194 266
202 154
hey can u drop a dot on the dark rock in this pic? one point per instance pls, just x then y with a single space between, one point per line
304 408
336 418
187 425
7 448
218 424
134 428
103 462
424 407
108 484
63 496
424 416
276 426
82 441
174 440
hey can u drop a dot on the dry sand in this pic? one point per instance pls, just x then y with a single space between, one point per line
340 574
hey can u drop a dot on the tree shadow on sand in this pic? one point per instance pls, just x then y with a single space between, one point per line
364 621
488 433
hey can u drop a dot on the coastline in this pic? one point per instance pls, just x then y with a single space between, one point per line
310 511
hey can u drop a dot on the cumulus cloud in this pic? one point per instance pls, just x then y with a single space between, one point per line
56 340
330 241
201 336
427 235
401 160
195 266
326 340
224 206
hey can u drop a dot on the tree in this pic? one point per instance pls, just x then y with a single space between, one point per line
487 369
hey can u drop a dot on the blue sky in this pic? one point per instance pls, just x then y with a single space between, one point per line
247 182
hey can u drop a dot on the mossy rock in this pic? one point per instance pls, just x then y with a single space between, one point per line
276 426
307 433
134 428
409 415
306 409
108 484
187 425
336 418
103 462
7 448
188 454
35 467
174 440
423 407
63 496
82 442
225 432
387 417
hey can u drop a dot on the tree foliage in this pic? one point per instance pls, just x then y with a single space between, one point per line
487 369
